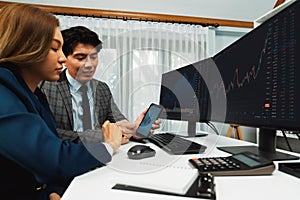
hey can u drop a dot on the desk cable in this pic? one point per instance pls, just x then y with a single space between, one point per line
213 127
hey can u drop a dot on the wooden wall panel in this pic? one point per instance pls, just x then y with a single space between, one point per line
140 16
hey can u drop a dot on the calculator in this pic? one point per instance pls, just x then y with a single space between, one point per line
245 163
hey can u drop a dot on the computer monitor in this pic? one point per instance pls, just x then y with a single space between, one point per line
185 95
261 80
179 96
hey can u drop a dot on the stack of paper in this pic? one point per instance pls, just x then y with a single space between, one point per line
168 179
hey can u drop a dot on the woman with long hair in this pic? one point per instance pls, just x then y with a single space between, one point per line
34 161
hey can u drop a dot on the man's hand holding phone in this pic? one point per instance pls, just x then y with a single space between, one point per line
129 129
148 121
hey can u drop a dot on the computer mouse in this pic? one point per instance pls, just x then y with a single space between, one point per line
138 151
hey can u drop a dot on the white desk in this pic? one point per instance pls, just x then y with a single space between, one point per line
97 184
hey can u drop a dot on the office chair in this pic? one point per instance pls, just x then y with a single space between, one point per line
238 134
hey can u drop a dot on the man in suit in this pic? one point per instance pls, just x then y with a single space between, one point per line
81 47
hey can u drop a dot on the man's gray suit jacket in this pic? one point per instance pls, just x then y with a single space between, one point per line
59 97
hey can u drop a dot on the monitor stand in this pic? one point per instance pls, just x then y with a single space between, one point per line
266 147
191 132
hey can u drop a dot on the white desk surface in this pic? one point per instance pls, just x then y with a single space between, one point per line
97 184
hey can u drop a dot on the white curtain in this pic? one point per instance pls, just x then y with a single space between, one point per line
136 53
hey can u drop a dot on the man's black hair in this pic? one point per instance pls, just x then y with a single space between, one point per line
79 34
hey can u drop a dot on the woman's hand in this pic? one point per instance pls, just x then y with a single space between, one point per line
54 196
112 134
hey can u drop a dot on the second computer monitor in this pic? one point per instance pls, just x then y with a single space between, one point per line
187 94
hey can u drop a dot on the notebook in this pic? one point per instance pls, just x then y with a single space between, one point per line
168 179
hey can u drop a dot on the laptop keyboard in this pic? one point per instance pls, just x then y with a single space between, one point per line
176 145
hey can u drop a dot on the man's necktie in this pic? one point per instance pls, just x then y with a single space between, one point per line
86 120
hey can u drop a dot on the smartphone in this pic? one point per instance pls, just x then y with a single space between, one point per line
151 115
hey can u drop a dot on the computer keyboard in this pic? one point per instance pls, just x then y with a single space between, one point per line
176 145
